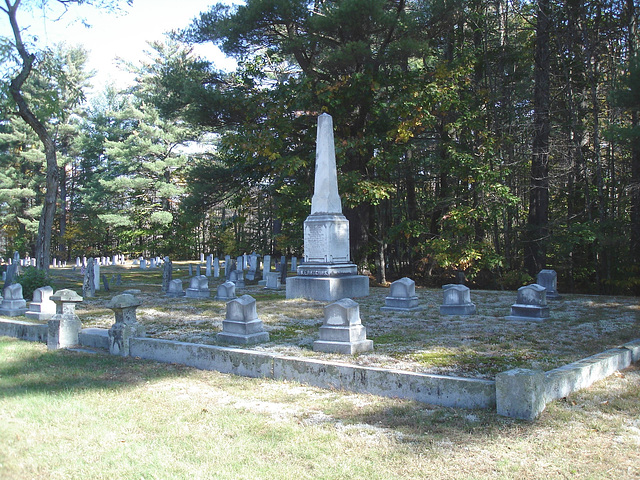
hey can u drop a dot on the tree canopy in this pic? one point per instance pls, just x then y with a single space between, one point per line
490 138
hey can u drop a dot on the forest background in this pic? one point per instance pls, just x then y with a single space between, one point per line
493 138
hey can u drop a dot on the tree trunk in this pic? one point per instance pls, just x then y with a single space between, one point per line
538 218
45 226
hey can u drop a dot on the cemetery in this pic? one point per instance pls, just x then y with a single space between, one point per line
477 348
330 328
446 289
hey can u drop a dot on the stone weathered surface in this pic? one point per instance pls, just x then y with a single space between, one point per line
65 325
272 281
42 307
402 296
126 325
198 287
342 330
531 304
226 291
549 280
456 300
13 304
89 281
242 325
175 288
167 275
237 278
520 393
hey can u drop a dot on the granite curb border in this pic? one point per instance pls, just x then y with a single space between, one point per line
517 393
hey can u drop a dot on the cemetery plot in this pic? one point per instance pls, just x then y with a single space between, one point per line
477 346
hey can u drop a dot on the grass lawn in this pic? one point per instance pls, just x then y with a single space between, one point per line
67 415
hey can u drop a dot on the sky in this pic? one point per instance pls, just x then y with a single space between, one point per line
115 35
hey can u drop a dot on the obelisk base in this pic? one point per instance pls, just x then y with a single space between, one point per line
327 288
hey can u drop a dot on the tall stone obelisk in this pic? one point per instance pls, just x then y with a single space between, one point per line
327 273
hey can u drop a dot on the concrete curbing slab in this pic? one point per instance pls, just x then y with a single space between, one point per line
31 332
94 338
442 390
564 380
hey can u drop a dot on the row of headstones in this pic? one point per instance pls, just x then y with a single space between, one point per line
13 303
251 263
102 261
92 277
531 302
342 330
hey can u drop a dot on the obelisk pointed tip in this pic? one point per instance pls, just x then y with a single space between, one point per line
325 196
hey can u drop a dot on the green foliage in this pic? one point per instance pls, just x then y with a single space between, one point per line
32 279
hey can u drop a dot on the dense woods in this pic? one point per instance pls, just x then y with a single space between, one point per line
493 138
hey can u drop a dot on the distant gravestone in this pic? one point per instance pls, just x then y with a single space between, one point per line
294 264
237 278
152 262
254 260
190 270
64 326
531 304
118 280
13 304
272 281
167 274
78 262
88 285
105 283
175 288
283 270
126 325
402 296
198 287
12 270
240 263
549 280
208 266
457 300
266 264
96 274
42 307
216 267
226 291
227 263
242 325
342 330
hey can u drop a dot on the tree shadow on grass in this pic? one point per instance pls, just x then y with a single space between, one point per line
28 368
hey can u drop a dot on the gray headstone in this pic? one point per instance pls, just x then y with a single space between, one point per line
457 300
167 274
242 325
531 304
549 280
402 296
89 286
342 330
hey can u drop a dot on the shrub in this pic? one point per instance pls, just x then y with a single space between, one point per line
31 279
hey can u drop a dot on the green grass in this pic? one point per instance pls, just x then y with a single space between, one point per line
67 415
